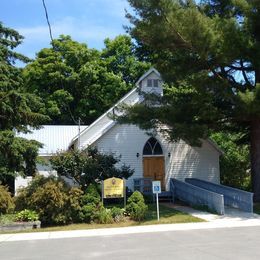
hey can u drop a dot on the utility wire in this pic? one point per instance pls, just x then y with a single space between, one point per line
48 22
52 43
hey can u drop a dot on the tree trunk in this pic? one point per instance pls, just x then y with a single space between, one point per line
255 158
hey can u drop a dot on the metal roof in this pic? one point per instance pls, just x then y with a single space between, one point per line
53 137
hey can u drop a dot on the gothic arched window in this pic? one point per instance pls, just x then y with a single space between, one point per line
152 147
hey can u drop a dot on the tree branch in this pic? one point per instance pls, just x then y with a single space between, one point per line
244 74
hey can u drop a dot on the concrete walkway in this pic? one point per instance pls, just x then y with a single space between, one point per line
233 218
231 214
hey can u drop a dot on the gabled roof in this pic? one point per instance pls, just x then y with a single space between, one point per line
146 74
103 124
53 137
106 123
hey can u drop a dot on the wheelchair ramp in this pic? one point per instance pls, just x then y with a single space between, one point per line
196 196
233 198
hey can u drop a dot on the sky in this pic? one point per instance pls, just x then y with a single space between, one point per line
86 21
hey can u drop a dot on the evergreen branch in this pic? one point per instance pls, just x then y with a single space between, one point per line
244 74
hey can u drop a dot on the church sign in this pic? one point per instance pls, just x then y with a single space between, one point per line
113 188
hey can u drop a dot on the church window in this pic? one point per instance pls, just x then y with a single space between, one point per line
152 147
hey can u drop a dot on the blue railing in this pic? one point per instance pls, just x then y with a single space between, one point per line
194 195
144 185
232 197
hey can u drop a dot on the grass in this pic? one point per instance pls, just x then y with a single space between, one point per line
257 208
197 207
167 216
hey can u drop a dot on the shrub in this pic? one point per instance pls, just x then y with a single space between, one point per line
136 206
49 197
89 212
50 202
74 205
6 200
91 195
104 216
23 198
26 215
117 214
91 204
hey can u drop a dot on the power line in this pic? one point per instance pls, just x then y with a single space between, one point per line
48 22
52 43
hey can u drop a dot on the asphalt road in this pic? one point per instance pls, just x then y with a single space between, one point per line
229 243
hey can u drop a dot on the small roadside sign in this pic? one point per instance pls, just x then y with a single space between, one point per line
157 190
156 187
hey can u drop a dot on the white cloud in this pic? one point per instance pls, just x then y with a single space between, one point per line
95 21
38 37
79 30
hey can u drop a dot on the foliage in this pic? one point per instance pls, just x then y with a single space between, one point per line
75 81
56 203
208 54
6 200
136 206
104 216
91 195
17 155
18 110
74 205
89 212
167 216
234 163
88 166
26 215
91 204
117 214
52 199
92 208
6 219
49 201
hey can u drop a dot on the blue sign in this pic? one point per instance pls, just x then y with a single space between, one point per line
156 187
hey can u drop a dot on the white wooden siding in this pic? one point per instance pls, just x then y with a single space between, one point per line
144 86
184 161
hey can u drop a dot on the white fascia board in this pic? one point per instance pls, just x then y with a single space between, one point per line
212 143
101 133
147 74
104 115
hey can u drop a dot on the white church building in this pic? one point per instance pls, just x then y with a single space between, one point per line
151 157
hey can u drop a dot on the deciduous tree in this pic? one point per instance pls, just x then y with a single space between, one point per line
88 166
76 81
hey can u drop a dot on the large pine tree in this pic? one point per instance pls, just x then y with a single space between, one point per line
209 54
18 111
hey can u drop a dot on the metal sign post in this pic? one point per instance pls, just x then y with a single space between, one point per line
157 190
103 193
124 193
157 206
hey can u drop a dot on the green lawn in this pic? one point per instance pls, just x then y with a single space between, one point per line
167 216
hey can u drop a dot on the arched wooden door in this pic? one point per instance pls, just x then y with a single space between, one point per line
153 161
